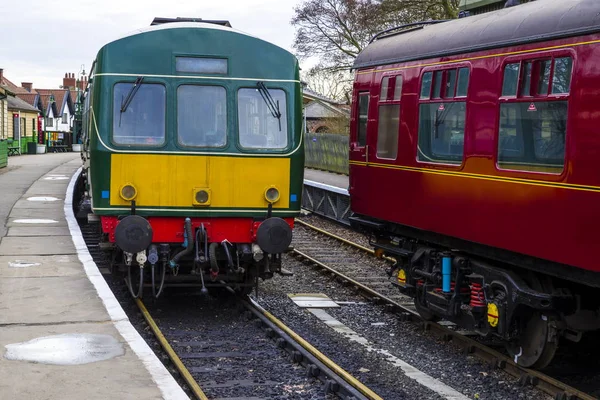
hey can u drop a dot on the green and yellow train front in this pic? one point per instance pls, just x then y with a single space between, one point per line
197 123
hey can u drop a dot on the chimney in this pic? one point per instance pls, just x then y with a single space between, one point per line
27 86
69 81
1 75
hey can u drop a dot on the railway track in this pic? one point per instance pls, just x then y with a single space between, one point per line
373 283
218 353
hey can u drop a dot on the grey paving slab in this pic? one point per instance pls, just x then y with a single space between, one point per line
54 206
122 377
49 300
50 230
40 266
47 188
48 212
26 222
38 245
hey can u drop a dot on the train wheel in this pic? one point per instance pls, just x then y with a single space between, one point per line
535 347
537 342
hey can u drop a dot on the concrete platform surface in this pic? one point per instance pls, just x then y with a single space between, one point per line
63 335
328 178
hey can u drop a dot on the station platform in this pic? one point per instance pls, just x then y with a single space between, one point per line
326 178
63 334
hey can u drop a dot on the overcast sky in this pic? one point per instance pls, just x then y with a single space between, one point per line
40 40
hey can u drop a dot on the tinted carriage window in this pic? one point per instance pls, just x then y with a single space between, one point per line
526 79
143 121
450 83
544 76
363 110
384 88
258 127
426 85
398 88
532 136
463 82
511 80
561 83
201 116
437 84
441 132
387 131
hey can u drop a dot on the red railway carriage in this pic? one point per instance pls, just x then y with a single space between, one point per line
474 161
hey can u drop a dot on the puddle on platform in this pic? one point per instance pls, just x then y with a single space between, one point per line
34 221
66 349
22 264
47 198
56 178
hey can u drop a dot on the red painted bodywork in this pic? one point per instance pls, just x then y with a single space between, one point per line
548 222
171 229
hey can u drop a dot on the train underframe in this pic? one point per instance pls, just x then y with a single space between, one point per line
527 310
159 252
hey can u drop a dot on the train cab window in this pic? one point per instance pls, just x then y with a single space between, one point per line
263 122
533 128
139 114
201 116
389 119
363 111
442 124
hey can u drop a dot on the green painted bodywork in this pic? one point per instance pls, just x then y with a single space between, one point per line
152 54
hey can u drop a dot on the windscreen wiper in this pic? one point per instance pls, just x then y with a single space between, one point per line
271 104
125 103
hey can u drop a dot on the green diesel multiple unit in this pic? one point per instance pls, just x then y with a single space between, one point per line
193 153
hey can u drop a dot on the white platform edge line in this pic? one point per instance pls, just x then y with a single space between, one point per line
326 187
411 372
166 383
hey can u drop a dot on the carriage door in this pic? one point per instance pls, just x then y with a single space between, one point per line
359 148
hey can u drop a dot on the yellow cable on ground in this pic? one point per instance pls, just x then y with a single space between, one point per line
320 356
193 385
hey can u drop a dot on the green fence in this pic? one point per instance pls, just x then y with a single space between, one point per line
327 152
3 154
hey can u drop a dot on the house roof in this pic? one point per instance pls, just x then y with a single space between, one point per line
62 98
15 103
528 23
12 87
322 110
311 95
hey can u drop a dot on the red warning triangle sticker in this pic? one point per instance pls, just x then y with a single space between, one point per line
441 107
532 107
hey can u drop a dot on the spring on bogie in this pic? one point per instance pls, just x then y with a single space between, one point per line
477 295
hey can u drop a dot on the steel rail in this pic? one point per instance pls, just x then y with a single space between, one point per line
189 380
329 367
535 378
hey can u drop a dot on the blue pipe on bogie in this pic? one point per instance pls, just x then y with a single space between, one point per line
446 273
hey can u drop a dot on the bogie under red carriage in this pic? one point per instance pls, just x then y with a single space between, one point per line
473 161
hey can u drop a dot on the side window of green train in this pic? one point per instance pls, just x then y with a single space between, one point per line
262 119
533 124
201 116
139 115
389 117
442 115
363 111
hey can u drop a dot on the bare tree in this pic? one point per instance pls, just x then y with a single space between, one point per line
335 85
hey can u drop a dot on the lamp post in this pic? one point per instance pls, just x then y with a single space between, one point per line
77 121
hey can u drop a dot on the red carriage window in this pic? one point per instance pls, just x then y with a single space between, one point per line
442 123
389 117
533 127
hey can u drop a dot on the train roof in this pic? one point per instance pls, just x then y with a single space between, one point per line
527 23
